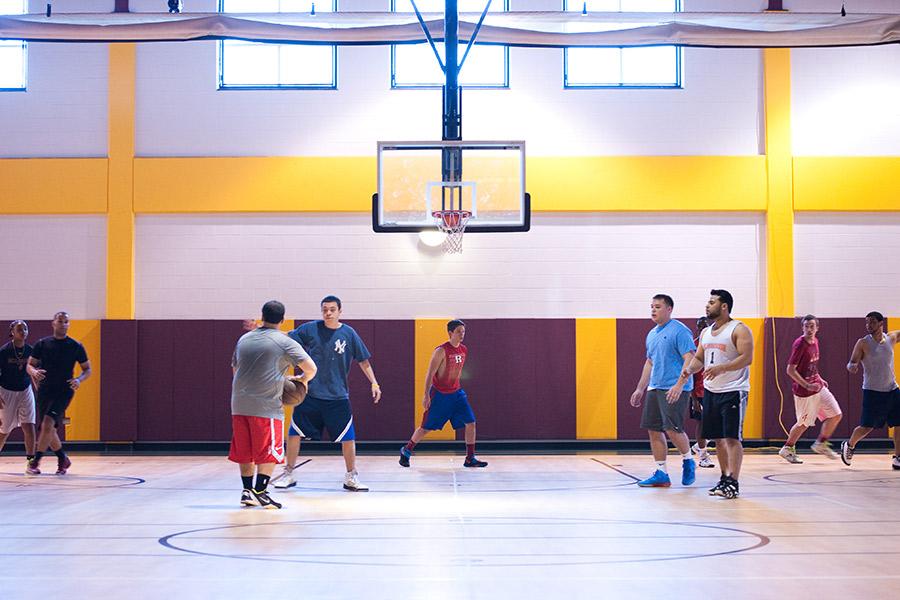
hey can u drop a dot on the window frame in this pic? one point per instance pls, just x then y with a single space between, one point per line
679 67
23 47
220 65
432 86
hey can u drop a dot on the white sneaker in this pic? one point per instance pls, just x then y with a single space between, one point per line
285 479
895 463
351 482
788 454
705 461
695 449
824 448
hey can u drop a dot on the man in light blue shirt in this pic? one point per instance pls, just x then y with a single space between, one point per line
670 347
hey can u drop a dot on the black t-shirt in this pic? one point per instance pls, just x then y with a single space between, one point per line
13 375
58 358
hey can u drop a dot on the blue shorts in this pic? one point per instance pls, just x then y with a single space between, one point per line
448 407
314 414
880 408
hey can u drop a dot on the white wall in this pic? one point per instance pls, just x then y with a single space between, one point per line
180 112
53 263
569 265
846 101
845 264
63 112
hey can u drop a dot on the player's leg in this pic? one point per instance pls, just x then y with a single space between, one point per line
874 416
433 419
306 422
463 416
267 441
652 421
895 461
338 417
407 450
3 437
830 414
673 414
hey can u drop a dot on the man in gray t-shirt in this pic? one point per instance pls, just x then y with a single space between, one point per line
257 442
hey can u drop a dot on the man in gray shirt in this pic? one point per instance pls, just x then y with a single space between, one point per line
260 360
881 396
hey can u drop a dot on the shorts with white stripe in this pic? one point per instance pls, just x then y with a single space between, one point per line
723 414
315 415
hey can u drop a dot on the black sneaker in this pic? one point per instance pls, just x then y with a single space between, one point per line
404 456
247 498
265 500
474 462
729 489
714 490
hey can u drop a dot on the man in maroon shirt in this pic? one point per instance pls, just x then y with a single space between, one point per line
812 398
696 409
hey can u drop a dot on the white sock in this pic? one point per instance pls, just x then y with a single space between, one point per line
686 456
661 466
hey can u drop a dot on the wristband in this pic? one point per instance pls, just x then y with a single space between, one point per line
375 386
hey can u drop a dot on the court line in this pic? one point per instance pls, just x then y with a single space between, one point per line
609 466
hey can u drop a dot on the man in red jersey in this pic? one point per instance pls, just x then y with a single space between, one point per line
444 400
812 398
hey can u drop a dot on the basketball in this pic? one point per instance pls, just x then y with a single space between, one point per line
294 392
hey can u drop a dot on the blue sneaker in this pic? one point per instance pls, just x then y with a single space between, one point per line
658 479
688 471
404 456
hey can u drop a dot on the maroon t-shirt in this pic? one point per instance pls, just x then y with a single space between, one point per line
805 357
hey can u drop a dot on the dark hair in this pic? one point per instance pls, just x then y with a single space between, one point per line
454 324
334 299
665 298
876 315
59 314
703 320
273 312
13 324
810 318
725 297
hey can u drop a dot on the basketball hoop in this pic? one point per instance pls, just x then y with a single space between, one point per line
452 223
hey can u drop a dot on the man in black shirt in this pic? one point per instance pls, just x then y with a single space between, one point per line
16 397
52 367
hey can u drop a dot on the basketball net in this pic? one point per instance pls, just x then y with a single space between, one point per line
453 224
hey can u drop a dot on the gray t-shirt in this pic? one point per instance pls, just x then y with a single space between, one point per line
260 359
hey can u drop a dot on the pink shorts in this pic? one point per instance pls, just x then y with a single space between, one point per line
256 440
821 405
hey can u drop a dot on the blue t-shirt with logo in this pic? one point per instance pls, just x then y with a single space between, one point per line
333 351
666 346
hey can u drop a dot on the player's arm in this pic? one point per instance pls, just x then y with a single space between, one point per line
76 382
366 367
675 391
859 351
795 375
438 358
641 386
308 369
894 336
695 365
743 342
34 370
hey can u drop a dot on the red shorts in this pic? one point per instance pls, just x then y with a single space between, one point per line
256 440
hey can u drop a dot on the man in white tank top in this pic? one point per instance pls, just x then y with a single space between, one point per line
724 354
881 396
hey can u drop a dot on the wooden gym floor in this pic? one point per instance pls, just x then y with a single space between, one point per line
573 526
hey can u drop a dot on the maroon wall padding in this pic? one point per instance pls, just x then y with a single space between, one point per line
392 345
36 331
184 379
520 378
836 340
631 353
118 380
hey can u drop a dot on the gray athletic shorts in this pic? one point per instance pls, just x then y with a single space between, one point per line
659 415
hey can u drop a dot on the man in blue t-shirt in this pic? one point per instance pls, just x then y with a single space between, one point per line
670 348
333 346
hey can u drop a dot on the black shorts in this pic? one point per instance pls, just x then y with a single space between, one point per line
315 414
880 408
723 415
53 402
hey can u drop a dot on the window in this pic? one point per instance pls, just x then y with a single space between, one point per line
653 66
415 66
254 65
13 65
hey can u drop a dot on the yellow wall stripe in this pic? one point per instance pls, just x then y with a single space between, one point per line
34 186
84 412
780 215
430 333
120 219
753 420
847 183
595 379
